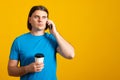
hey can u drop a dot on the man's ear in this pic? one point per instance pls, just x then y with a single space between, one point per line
29 19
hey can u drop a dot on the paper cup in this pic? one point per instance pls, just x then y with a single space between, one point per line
39 58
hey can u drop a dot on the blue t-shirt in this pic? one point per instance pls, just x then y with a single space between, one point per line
27 45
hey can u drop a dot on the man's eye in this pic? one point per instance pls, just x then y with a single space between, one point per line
44 17
36 16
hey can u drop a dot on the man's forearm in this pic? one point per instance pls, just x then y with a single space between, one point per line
66 49
17 71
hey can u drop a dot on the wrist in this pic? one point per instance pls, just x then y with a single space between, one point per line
55 34
26 69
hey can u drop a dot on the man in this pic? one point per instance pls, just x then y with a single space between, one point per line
37 40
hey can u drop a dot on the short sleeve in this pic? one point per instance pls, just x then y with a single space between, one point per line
54 40
14 52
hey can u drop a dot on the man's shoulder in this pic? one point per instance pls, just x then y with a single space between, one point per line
22 36
49 35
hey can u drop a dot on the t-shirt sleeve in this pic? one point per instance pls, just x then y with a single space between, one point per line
54 40
14 52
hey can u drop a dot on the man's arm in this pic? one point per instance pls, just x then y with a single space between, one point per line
14 70
64 48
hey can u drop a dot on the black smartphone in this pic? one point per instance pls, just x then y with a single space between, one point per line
48 26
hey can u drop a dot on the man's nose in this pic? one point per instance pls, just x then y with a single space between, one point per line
39 19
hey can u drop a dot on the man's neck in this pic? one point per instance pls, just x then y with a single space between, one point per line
37 33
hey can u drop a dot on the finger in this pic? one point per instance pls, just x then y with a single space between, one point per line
39 69
50 22
42 67
39 65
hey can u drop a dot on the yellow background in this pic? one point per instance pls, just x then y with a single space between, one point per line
91 26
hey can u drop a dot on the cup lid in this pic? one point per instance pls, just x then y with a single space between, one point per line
39 55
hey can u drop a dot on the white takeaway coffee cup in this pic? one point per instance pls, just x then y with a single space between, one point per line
39 57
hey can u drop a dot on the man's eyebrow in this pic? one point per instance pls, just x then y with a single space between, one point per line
36 15
39 16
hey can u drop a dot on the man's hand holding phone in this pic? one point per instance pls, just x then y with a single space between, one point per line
51 27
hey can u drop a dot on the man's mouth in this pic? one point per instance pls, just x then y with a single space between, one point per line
40 24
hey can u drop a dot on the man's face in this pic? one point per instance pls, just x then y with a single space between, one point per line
38 20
